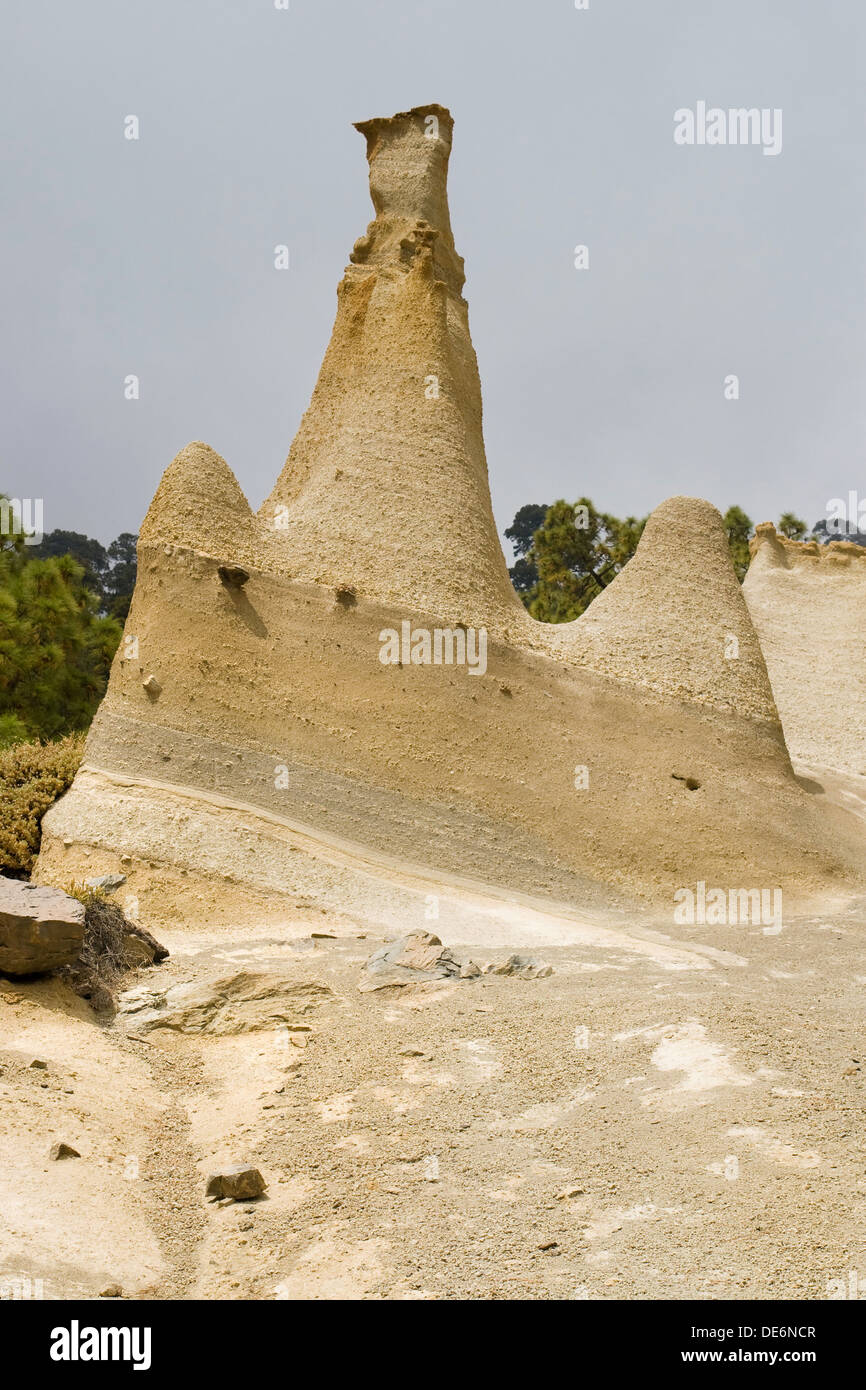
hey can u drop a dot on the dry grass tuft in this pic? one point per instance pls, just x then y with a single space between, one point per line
104 959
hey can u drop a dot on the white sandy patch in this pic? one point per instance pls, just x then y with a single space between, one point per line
548 1114
704 1064
480 1059
335 1108
685 1047
608 1222
775 1150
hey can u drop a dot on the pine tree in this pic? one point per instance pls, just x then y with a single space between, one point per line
576 552
791 526
55 649
739 528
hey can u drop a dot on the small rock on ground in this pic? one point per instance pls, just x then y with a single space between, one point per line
62 1150
240 1184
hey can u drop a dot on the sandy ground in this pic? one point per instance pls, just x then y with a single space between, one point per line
646 1122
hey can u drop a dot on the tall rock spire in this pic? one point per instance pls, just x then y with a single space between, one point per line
385 489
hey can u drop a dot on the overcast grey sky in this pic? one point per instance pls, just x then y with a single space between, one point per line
155 257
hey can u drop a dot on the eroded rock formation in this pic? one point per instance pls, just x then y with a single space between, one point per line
808 604
253 749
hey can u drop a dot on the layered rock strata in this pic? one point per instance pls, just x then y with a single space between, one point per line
252 734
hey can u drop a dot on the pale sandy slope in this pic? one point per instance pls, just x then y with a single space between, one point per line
698 1100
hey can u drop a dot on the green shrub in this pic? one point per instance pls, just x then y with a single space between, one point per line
32 777
12 730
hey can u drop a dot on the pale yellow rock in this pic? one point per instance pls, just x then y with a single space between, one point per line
283 759
808 604
674 619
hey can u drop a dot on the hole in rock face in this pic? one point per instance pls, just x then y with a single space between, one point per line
691 782
346 597
232 576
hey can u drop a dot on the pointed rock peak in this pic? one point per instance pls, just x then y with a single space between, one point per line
408 157
675 619
199 504
684 527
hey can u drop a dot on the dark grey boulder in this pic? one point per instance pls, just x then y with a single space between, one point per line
40 928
